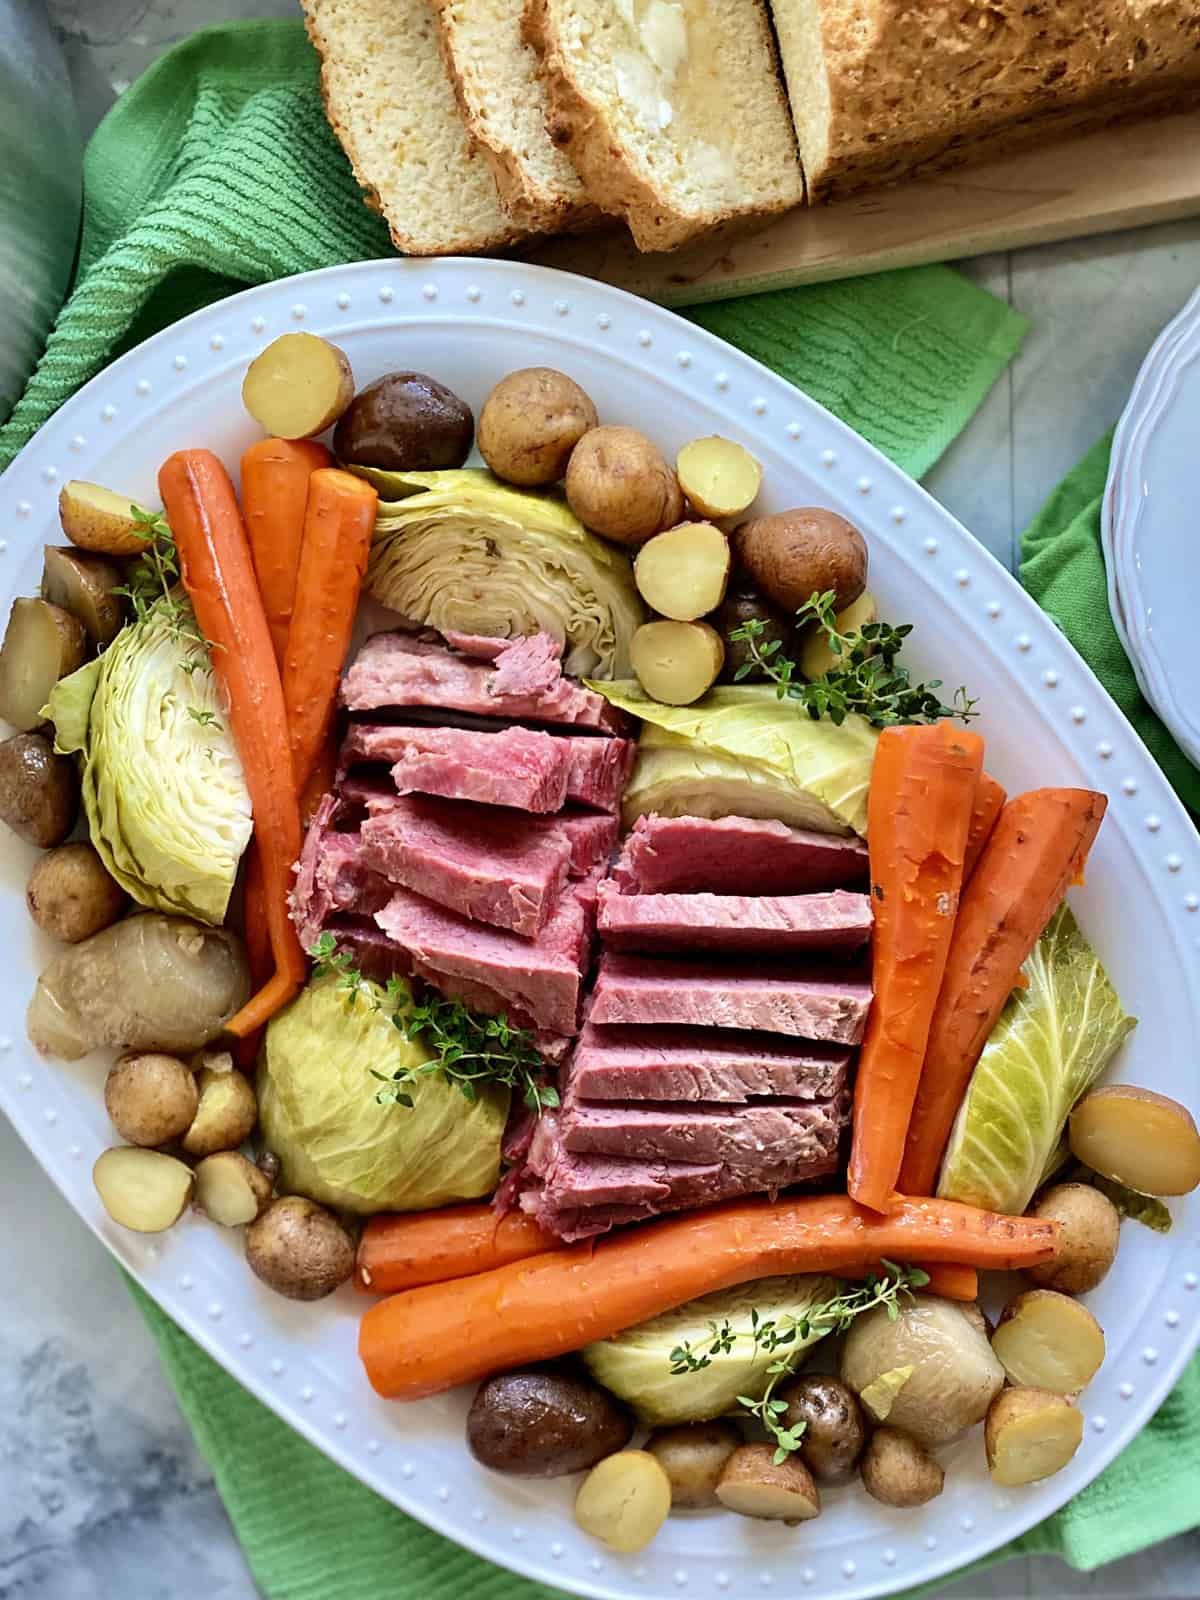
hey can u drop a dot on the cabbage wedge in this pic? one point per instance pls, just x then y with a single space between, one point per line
163 792
740 751
1051 1043
462 551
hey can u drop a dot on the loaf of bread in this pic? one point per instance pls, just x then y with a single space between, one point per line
671 111
881 89
495 77
389 100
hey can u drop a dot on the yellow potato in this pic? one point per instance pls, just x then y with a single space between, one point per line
97 519
676 662
1030 1434
719 477
142 1189
298 386
624 1500
682 573
1146 1141
1046 1340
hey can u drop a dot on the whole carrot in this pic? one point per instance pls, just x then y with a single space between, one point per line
275 474
923 783
403 1252
339 520
428 1339
1037 848
218 574
989 801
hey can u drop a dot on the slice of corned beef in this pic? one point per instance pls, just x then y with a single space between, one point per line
735 855
591 836
737 923
397 669
599 771
750 1139
552 1047
371 951
490 864
332 877
715 1065
542 977
807 1002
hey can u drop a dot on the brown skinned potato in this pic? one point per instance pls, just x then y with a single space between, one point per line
230 1189
743 604
543 1424
98 520
405 422
151 1098
297 386
897 1472
754 1484
226 1114
1029 1435
792 555
834 1431
1087 1240
530 423
620 485
39 791
1146 1141
86 586
299 1249
70 894
694 1455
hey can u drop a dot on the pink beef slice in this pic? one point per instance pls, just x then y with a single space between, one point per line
541 977
488 863
806 1002
332 877
552 1047
713 1065
735 855
737 923
599 771
398 669
516 767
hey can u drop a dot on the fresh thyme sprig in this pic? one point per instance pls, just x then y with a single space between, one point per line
868 679
772 1334
152 586
468 1049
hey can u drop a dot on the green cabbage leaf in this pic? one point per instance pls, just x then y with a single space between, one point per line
461 551
1050 1044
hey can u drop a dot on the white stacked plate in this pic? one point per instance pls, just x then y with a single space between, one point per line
1151 526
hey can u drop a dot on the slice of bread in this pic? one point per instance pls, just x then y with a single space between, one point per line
495 77
390 103
884 88
671 111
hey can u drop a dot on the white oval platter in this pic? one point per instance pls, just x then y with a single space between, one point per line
1046 719
1149 525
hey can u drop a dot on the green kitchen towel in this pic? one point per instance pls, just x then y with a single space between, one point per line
216 171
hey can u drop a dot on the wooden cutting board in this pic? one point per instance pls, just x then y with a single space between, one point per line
1118 178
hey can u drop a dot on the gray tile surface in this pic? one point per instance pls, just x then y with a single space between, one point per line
102 1492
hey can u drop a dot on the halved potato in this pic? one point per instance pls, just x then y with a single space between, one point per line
42 644
1046 1340
676 662
1146 1141
86 586
142 1189
230 1189
99 520
816 656
1030 1434
719 477
754 1484
298 386
682 573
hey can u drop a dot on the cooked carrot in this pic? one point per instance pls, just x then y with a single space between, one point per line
275 474
1036 849
989 801
923 783
218 574
428 1339
338 523
952 1280
404 1252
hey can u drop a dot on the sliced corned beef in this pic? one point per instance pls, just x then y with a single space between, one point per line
332 877
552 1047
372 952
715 1065
736 923
541 976
591 836
750 1140
599 771
490 864
397 669
516 767
735 855
528 667
807 1002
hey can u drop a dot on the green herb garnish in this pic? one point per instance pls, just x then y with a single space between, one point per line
152 585
832 1316
468 1049
868 680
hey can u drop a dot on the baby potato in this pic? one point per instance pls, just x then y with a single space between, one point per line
299 1249
39 790
142 1189
1146 1141
42 644
676 662
86 586
834 1431
793 555
225 1116
405 422
682 573
620 485
1030 1434
754 1484
817 658
897 1471
151 1098
719 477
1046 1340
98 520
742 604
543 1424
230 1189
624 1500
70 894
1087 1239
530 423
297 386
693 1456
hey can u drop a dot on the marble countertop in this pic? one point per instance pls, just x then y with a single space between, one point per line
102 1490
